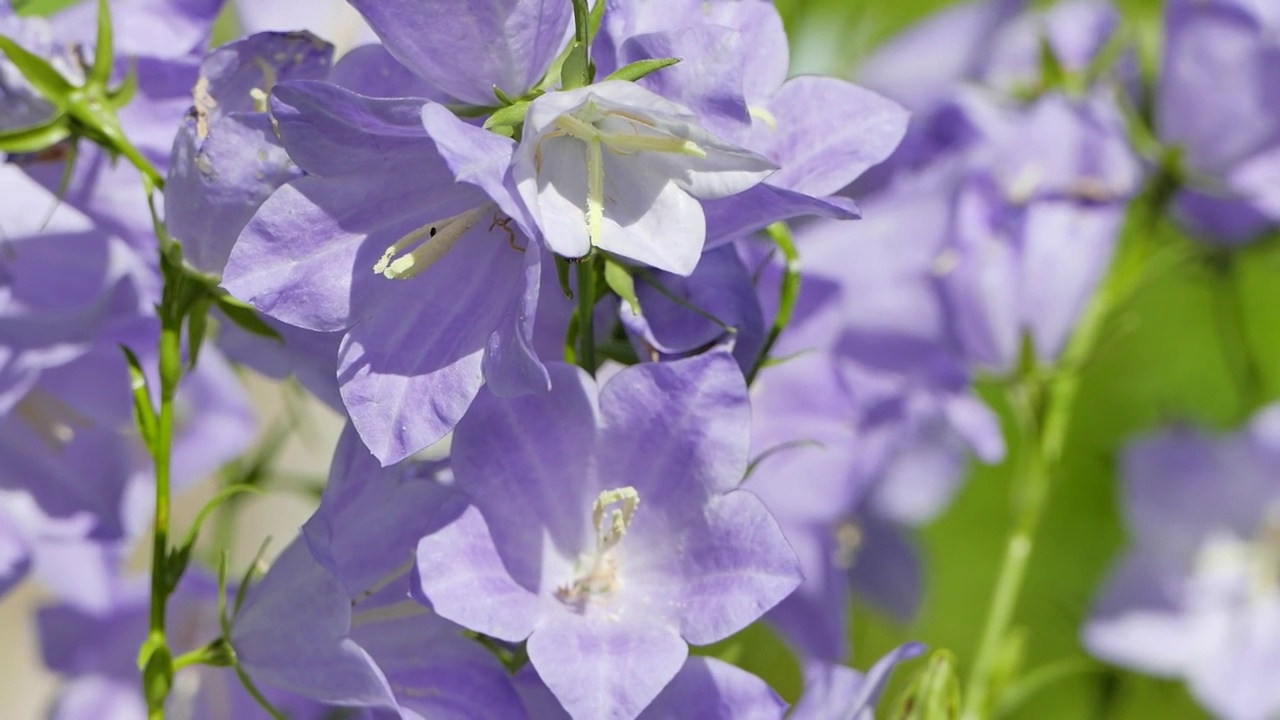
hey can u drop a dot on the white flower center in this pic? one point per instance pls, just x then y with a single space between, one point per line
1247 570
622 133
596 571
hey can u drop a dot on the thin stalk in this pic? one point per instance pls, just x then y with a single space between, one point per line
170 373
586 314
780 234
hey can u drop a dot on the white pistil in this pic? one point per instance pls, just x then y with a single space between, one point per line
611 515
433 241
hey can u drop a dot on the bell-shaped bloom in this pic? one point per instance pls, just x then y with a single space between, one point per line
401 235
332 619
607 528
618 167
867 425
704 689
836 692
1218 102
1197 594
820 132
94 650
465 50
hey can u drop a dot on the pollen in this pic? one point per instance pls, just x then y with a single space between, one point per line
597 571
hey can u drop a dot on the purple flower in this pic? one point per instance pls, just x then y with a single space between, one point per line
606 528
332 619
465 50
836 692
618 167
405 238
703 689
1218 102
820 132
1197 595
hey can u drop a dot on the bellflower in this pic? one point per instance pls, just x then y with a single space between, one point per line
403 236
820 132
1197 595
836 692
332 619
618 167
606 528
871 407
704 689
1218 102
465 50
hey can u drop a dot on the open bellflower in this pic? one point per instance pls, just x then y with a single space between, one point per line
1197 594
618 167
332 619
1219 105
607 529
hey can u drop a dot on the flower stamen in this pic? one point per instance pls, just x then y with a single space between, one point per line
433 241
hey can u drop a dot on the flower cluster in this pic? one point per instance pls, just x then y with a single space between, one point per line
640 340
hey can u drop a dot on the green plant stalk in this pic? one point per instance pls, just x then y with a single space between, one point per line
170 374
586 313
1044 431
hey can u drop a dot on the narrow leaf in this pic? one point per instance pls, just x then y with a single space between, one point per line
144 414
641 68
618 277
40 73
245 317
35 137
100 73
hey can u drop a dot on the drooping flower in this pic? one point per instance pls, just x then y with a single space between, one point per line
1218 103
618 167
1197 594
332 619
606 528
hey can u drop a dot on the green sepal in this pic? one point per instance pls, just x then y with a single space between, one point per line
244 316
121 94
574 74
100 73
503 98
618 277
562 274
243 590
640 68
257 695
934 693
509 116
144 414
197 328
35 138
46 80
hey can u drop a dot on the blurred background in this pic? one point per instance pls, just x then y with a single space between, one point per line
1165 359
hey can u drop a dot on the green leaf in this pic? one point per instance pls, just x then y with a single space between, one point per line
594 21
197 327
934 693
509 116
640 68
100 73
248 577
245 317
40 73
618 277
144 414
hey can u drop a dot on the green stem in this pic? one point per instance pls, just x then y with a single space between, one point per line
586 314
781 236
1044 431
170 373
